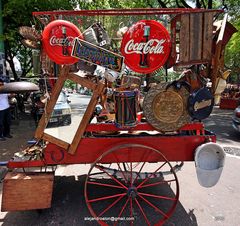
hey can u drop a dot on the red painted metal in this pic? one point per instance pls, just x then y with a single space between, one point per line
57 38
146 46
26 164
174 148
116 12
140 126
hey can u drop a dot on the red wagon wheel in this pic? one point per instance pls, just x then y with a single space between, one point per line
131 184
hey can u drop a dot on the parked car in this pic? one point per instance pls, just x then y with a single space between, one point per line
236 119
61 115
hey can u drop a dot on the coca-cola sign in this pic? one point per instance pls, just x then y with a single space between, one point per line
55 41
58 38
146 46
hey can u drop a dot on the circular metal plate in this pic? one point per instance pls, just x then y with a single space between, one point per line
58 39
166 110
163 109
18 87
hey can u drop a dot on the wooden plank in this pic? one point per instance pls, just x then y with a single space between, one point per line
195 36
184 39
175 40
50 106
56 141
27 191
82 81
86 117
207 36
217 59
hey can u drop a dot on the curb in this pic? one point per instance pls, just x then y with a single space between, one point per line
3 172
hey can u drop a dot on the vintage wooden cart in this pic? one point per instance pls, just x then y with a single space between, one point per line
132 175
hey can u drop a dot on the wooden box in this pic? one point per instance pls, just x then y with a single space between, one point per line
229 103
27 191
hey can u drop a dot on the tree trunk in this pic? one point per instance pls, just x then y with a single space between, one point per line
9 59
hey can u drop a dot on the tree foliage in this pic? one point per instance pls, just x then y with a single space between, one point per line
18 13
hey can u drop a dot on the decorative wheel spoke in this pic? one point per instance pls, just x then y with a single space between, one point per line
157 183
104 185
157 196
143 213
133 186
110 206
152 205
100 168
119 167
106 197
139 186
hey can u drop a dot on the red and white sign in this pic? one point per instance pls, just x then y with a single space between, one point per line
146 46
58 37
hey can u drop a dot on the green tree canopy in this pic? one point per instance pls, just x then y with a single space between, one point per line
19 13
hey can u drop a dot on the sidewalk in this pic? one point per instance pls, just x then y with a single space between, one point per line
22 130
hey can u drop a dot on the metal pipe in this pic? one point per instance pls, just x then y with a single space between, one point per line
4 163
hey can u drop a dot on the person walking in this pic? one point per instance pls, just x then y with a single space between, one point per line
5 115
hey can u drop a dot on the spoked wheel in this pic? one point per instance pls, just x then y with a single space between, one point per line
131 184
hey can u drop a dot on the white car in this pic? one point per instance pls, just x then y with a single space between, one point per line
236 119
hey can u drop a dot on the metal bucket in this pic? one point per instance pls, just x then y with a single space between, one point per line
209 162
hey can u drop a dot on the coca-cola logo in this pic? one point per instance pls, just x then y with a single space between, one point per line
153 46
58 39
55 41
146 46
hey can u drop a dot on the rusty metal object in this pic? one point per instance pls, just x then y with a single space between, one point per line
30 33
130 82
19 87
30 44
166 110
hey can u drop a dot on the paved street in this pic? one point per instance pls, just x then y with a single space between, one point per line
78 105
216 206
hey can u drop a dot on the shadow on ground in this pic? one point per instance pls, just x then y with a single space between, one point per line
22 130
69 208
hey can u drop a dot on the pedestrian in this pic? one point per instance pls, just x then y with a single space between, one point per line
5 115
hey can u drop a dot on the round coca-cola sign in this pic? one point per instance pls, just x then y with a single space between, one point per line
57 38
146 46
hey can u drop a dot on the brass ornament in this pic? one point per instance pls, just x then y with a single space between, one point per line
166 110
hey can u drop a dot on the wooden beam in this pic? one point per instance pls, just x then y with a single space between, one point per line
56 141
51 103
195 30
82 81
184 38
86 117
217 59
207 36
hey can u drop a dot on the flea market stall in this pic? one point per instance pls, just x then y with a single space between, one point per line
135 134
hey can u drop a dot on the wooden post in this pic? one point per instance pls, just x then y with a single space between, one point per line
86 117
217 59
53 99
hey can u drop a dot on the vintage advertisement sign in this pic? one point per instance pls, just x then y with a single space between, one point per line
57 38
146 46
94 54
